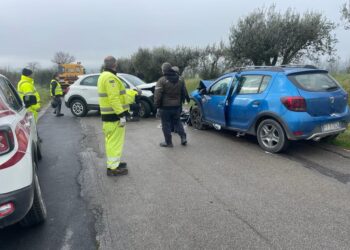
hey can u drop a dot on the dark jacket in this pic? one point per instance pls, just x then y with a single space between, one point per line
170 91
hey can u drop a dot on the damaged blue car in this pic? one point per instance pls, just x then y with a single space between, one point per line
276 104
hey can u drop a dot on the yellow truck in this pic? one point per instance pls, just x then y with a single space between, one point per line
69 72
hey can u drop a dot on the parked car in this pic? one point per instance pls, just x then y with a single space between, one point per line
138 82
82 96
276 104
20 193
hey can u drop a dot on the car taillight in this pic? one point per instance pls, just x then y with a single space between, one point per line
6 209
294 103
6 141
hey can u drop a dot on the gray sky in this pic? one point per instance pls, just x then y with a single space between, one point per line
33 30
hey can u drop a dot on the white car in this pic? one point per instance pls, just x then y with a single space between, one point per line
20 193
82 96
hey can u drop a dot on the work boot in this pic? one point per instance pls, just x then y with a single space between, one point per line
183 140
60 114
116 172
122 165
166 145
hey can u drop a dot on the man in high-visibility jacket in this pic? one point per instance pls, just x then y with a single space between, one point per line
25 87
56 93
114 107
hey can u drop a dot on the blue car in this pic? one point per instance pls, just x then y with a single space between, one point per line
276 104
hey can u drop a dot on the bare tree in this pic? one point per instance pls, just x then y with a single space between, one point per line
62 57
33 66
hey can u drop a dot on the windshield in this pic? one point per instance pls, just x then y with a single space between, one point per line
133 79
314 81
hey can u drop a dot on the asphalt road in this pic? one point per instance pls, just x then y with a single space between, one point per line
219 192
70 224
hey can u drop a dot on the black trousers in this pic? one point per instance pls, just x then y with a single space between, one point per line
59 104
169 118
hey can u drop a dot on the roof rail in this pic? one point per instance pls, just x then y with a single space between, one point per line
307 66
279 68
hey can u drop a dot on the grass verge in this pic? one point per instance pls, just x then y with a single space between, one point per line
44 93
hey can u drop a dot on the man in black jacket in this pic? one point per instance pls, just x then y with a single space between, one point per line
168 97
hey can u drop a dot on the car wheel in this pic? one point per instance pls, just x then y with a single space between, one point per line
196 119
78 108
145 109
37 213
271 136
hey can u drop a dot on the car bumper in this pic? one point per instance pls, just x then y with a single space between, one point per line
302 126
22 200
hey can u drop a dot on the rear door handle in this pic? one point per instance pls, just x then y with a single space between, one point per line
221 104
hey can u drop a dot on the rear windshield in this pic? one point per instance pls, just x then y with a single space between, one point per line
314 81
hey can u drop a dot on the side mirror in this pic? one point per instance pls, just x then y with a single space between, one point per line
202 91
29 100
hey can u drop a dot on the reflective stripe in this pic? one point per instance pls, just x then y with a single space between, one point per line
122 92
102 95
113 159
28 93
109 109
126 106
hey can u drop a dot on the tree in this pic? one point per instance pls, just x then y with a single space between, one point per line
33 66
212 61
345 12
267 37
62 57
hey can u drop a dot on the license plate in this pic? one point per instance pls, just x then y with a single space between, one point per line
331 126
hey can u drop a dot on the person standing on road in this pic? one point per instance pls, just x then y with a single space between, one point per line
114 109
25 87
56 94
168 101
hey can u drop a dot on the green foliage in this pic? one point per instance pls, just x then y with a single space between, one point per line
345 15
212 61
266 37
146 63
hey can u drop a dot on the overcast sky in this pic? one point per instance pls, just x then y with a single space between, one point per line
33 30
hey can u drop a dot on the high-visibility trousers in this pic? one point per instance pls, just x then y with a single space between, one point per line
34 112
114 142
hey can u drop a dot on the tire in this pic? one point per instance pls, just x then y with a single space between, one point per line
37 213
145 109
38 152
78 108
271 136
196 118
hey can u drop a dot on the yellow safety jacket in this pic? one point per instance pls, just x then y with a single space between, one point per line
111 96
58 89
130 96
26 87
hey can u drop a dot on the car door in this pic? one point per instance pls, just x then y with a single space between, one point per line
214 101
247 100
88 86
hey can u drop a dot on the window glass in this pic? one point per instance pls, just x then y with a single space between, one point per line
77 70
126 85
220 87
250 84
10 95
314 81
264 83
133 79
90 81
